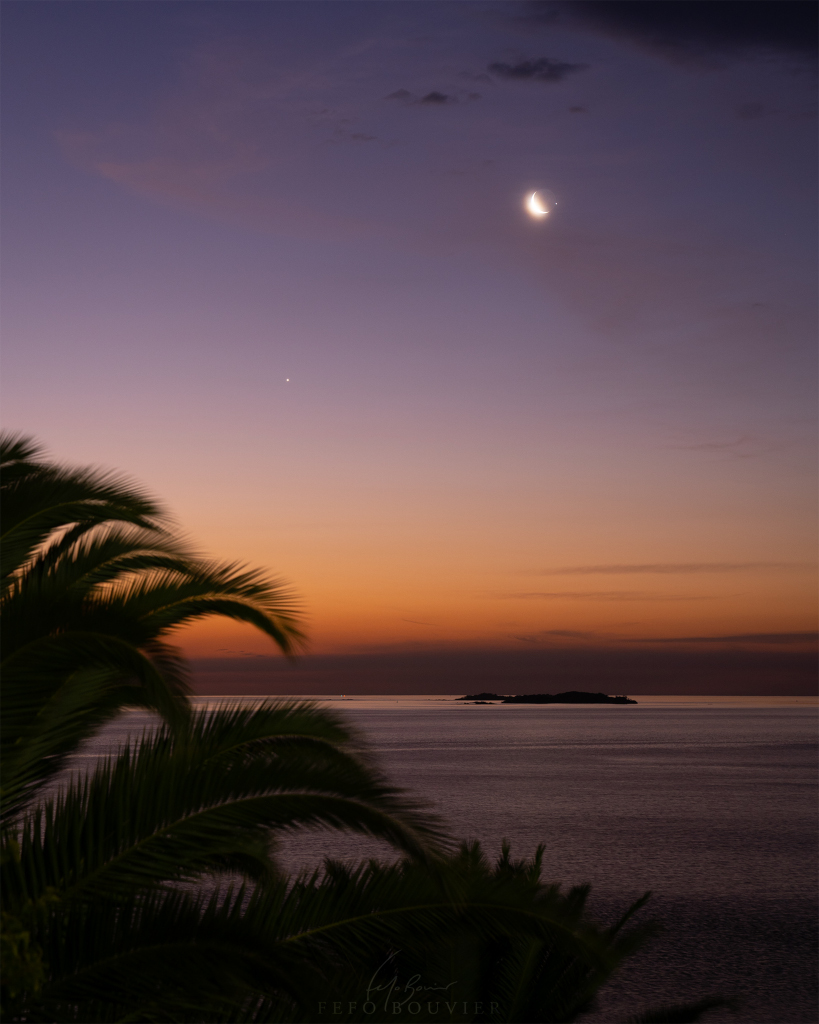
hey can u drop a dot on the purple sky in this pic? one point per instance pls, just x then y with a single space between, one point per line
496 432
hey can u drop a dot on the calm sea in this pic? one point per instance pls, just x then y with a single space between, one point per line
709 803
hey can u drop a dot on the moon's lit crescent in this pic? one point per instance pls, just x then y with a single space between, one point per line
535 207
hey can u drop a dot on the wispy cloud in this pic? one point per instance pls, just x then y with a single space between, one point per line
240 653
554 636
745 447
573 637
669 568
736 638
433 98
603 595
543 69
436 98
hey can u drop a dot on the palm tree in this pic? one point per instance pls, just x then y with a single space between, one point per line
95 869
495 943
466 941
148 888
93 582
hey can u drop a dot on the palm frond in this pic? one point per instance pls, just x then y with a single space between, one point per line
48 731
39 498
273 952
118 889
460 924
683 1013
179 805
33 673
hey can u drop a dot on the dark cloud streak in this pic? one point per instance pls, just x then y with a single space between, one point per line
667 568
736 638
544 69
603 595
693 29
552 635
433 98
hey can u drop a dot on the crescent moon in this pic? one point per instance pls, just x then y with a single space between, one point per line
535 207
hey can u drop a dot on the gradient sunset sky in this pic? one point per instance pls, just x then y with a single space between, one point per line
272 261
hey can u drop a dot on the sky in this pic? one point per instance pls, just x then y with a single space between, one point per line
272 260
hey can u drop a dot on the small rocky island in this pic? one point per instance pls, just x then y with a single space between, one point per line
570 697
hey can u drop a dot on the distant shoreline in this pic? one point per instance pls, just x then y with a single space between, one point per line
569 697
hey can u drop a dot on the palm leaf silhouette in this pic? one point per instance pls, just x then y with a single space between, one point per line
147 888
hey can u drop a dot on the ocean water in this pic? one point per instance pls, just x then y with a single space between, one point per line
710 804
